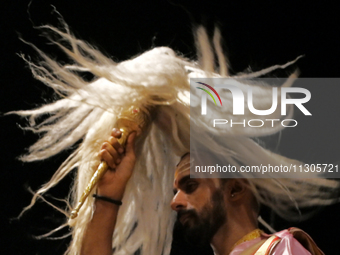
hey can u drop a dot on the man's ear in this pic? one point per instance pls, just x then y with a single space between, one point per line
236 189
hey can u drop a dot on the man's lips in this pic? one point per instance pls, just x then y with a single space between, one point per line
184 216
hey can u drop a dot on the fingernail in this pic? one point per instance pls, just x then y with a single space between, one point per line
120 150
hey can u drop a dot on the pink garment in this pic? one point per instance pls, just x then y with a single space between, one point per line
287 246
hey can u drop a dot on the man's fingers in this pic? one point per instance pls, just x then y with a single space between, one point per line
130 145
114 154
115 144
107 157
116 133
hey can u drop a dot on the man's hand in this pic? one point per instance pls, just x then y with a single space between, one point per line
121 163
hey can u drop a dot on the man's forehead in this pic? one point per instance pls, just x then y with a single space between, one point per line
183 170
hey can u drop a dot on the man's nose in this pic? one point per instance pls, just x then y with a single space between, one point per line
179 201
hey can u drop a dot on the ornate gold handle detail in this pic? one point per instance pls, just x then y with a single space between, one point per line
132 120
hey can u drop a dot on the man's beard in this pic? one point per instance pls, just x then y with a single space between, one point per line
199 228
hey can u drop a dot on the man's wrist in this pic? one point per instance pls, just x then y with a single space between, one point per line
107 199
102 207
115 193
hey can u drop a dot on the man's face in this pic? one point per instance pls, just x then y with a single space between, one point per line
199 204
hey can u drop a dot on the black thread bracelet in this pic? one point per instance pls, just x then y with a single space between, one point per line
116 202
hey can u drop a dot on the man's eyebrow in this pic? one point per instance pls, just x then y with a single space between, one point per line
183 180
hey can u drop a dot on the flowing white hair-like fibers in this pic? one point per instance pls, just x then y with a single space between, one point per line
87 112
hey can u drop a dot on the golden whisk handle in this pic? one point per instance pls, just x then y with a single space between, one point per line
94 180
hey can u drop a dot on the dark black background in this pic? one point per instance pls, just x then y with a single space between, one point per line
257 34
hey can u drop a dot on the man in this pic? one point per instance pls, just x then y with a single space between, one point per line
225 213
222 212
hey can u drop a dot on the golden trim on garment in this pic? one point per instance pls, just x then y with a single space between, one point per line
250 236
